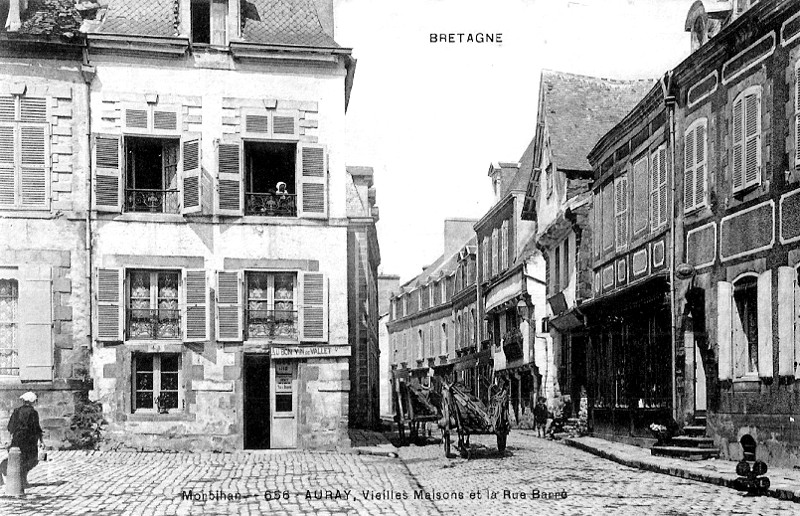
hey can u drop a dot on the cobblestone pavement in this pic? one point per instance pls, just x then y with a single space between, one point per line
593 485
113 483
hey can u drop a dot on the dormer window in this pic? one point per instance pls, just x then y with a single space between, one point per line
209 19
699 33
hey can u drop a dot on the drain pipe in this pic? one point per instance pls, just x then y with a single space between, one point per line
669 103
88 73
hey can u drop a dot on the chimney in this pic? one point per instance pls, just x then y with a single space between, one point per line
325 15
457 233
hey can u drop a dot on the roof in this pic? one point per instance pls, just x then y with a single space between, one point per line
269 22
578 110
46 19
443 265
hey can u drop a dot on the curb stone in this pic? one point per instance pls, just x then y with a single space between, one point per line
719 479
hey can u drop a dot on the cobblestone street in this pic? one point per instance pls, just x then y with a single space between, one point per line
111 483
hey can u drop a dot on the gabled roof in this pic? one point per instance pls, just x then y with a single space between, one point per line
577 110
443 266
269 22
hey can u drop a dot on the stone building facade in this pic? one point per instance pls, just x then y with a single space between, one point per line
185 215
44 272
735 108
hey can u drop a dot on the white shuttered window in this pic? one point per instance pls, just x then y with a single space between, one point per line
746 130
24 153
695 169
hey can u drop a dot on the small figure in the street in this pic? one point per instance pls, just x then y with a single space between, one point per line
540 416
26 434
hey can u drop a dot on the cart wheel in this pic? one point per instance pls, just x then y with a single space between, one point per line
446 441
501 442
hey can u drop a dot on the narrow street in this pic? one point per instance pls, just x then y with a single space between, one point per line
420 481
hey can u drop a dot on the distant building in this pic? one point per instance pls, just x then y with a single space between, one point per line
433 328
363 258
512 292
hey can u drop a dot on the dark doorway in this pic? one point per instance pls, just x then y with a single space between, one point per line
256 402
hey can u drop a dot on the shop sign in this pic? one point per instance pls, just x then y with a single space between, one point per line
310 351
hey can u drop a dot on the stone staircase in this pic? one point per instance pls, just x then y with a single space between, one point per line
692 445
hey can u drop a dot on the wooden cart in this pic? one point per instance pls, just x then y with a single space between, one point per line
415 405
467 415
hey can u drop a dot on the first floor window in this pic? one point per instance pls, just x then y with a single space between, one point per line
151 175
271 305
270 178
156 381
9 328
153 311
24 161
745 320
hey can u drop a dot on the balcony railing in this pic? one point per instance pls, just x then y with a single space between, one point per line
271 204
158 323
271 324
152 201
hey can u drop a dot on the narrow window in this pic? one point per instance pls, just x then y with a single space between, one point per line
566 271
745 296
151 175
9 327
156 381
270 179
557 271
153 311
271 310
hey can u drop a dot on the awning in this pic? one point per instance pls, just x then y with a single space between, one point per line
470 361
567 321
507 289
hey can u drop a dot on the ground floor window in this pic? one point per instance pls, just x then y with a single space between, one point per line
156 381
9 327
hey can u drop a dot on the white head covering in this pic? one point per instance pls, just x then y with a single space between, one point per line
29 397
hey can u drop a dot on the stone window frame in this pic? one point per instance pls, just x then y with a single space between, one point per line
157 357
11 274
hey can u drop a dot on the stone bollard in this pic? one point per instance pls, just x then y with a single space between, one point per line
14 485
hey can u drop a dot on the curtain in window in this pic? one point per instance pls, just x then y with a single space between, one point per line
9 344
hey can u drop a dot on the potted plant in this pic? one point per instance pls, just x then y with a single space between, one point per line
661 433
161 403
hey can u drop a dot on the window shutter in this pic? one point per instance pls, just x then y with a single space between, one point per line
765 324
314 307
165 120
485 257
688 172
230 313
797 117
33 171
107 173
700 165
109 305
231 178
195 313
724 329
136 118
257 124
752 150
191 176
654 175
621 211
662 185
284 126
787 290
494 252
738 145
313 182
36 323
8 178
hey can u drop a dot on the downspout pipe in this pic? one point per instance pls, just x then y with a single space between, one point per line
88 73
670 103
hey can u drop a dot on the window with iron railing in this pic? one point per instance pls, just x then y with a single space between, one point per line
271 306
151 175
270 179
153 311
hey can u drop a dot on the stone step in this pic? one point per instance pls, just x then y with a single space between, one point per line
695 430
690 441
684 452
699 420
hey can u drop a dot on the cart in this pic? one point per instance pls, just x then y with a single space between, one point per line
467 415
415 404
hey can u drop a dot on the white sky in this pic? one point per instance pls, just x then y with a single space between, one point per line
431 117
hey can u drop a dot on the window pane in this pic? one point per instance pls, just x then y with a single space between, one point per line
144 362
144 381
9 343
170 399
144 400
169 363
283 403
169 381
140 289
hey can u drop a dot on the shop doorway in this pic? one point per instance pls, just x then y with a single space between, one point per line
256 402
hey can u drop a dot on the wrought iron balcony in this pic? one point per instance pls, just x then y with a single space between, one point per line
152 201
271 324
271 204
157 323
